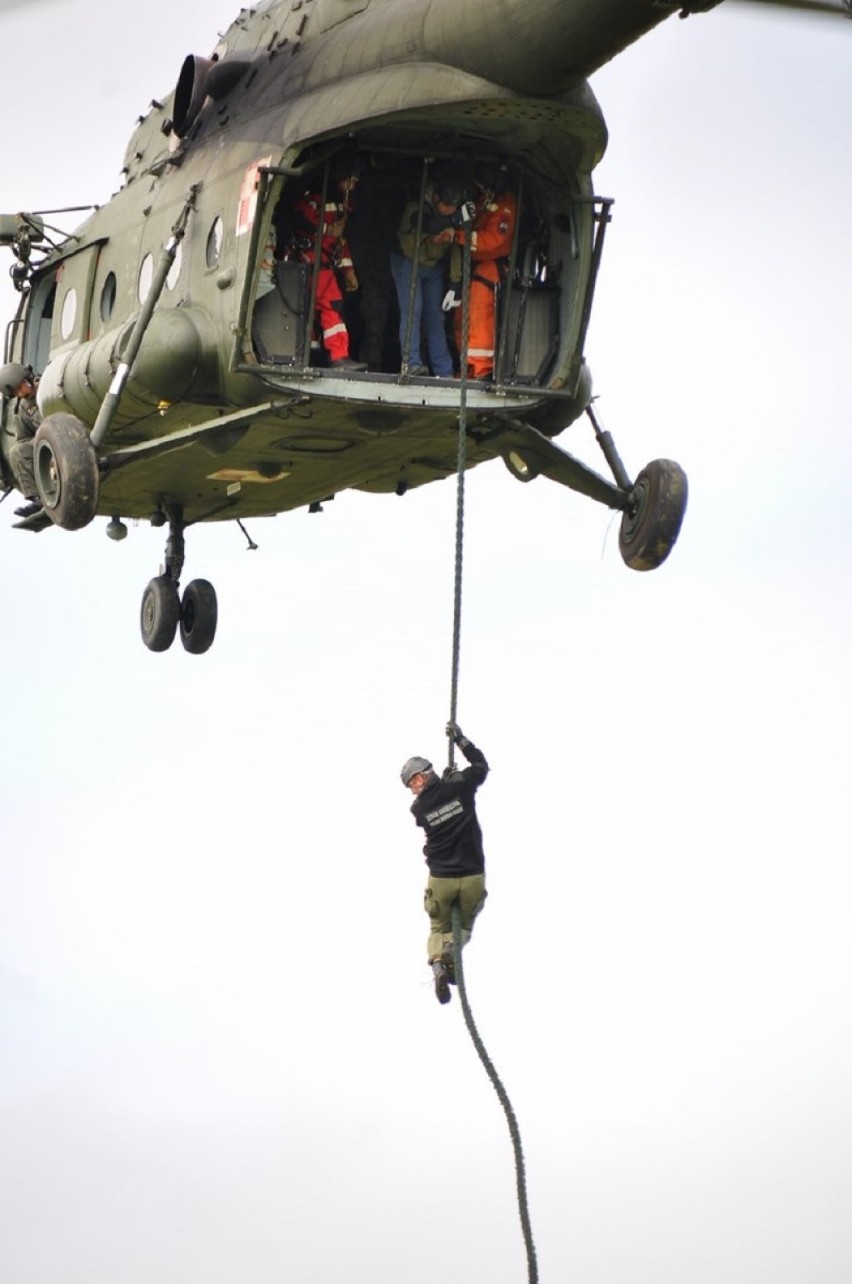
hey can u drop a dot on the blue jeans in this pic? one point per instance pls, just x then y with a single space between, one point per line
428 295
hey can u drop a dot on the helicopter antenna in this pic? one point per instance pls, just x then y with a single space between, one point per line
60 232
68 209
252 547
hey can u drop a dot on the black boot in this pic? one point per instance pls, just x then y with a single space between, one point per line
29 509
448 958
442 981
346 363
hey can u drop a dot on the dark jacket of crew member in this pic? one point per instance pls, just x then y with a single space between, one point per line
446 811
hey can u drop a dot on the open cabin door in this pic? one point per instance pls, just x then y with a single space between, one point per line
38 324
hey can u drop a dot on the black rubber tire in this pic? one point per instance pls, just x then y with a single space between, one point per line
199 614
66 471
651 523
160 613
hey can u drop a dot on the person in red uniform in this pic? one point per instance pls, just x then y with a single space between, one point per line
335 256
492 234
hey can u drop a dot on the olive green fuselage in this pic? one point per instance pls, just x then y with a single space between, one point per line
211 425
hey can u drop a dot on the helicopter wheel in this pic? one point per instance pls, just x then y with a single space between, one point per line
651 522
160 613
199 614
66 471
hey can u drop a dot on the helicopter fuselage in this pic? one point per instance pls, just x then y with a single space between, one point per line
250 128
175 336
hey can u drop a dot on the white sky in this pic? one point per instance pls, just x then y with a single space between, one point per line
222 1058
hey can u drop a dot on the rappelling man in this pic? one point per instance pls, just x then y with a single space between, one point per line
445 808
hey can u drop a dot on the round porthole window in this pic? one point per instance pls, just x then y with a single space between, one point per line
214 243
108 294
69 313
146 276
174 270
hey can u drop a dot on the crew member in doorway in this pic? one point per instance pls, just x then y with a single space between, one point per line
444 209
19 384
491 236
445 808
335 257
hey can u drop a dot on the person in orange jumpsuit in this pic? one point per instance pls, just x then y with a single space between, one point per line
335 257
492 233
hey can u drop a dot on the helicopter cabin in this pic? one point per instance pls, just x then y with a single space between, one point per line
385 230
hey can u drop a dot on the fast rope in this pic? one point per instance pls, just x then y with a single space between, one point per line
520 1170
461 464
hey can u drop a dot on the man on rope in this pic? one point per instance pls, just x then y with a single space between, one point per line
445 808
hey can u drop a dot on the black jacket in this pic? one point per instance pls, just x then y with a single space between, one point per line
446 810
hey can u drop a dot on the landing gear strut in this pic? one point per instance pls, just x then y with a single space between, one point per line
656 503
164 610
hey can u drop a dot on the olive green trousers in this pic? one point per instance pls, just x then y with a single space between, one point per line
438 900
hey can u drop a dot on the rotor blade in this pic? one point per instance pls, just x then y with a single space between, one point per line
5 5
839 8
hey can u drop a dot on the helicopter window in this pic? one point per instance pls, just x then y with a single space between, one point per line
40 321
69 313
174 270
108 294
146 276
214 243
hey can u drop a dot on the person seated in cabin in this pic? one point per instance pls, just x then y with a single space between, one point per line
445 808
335 257
491 237
18 383
443 211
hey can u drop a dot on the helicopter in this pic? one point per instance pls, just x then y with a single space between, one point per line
179 380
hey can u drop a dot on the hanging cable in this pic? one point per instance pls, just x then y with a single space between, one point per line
461 463
514 1130
520 1172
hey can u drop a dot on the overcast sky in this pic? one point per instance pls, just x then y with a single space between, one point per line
222 1061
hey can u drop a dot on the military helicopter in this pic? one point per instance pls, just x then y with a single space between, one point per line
179 380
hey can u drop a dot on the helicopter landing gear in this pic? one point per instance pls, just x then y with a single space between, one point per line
160 613
66 471
656 502
198 616
651 522
163 609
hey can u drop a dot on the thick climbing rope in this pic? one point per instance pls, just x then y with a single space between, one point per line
461 464
520 1170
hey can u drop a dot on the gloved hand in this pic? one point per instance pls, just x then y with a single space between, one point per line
464 214
452 299
455 732
350 280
